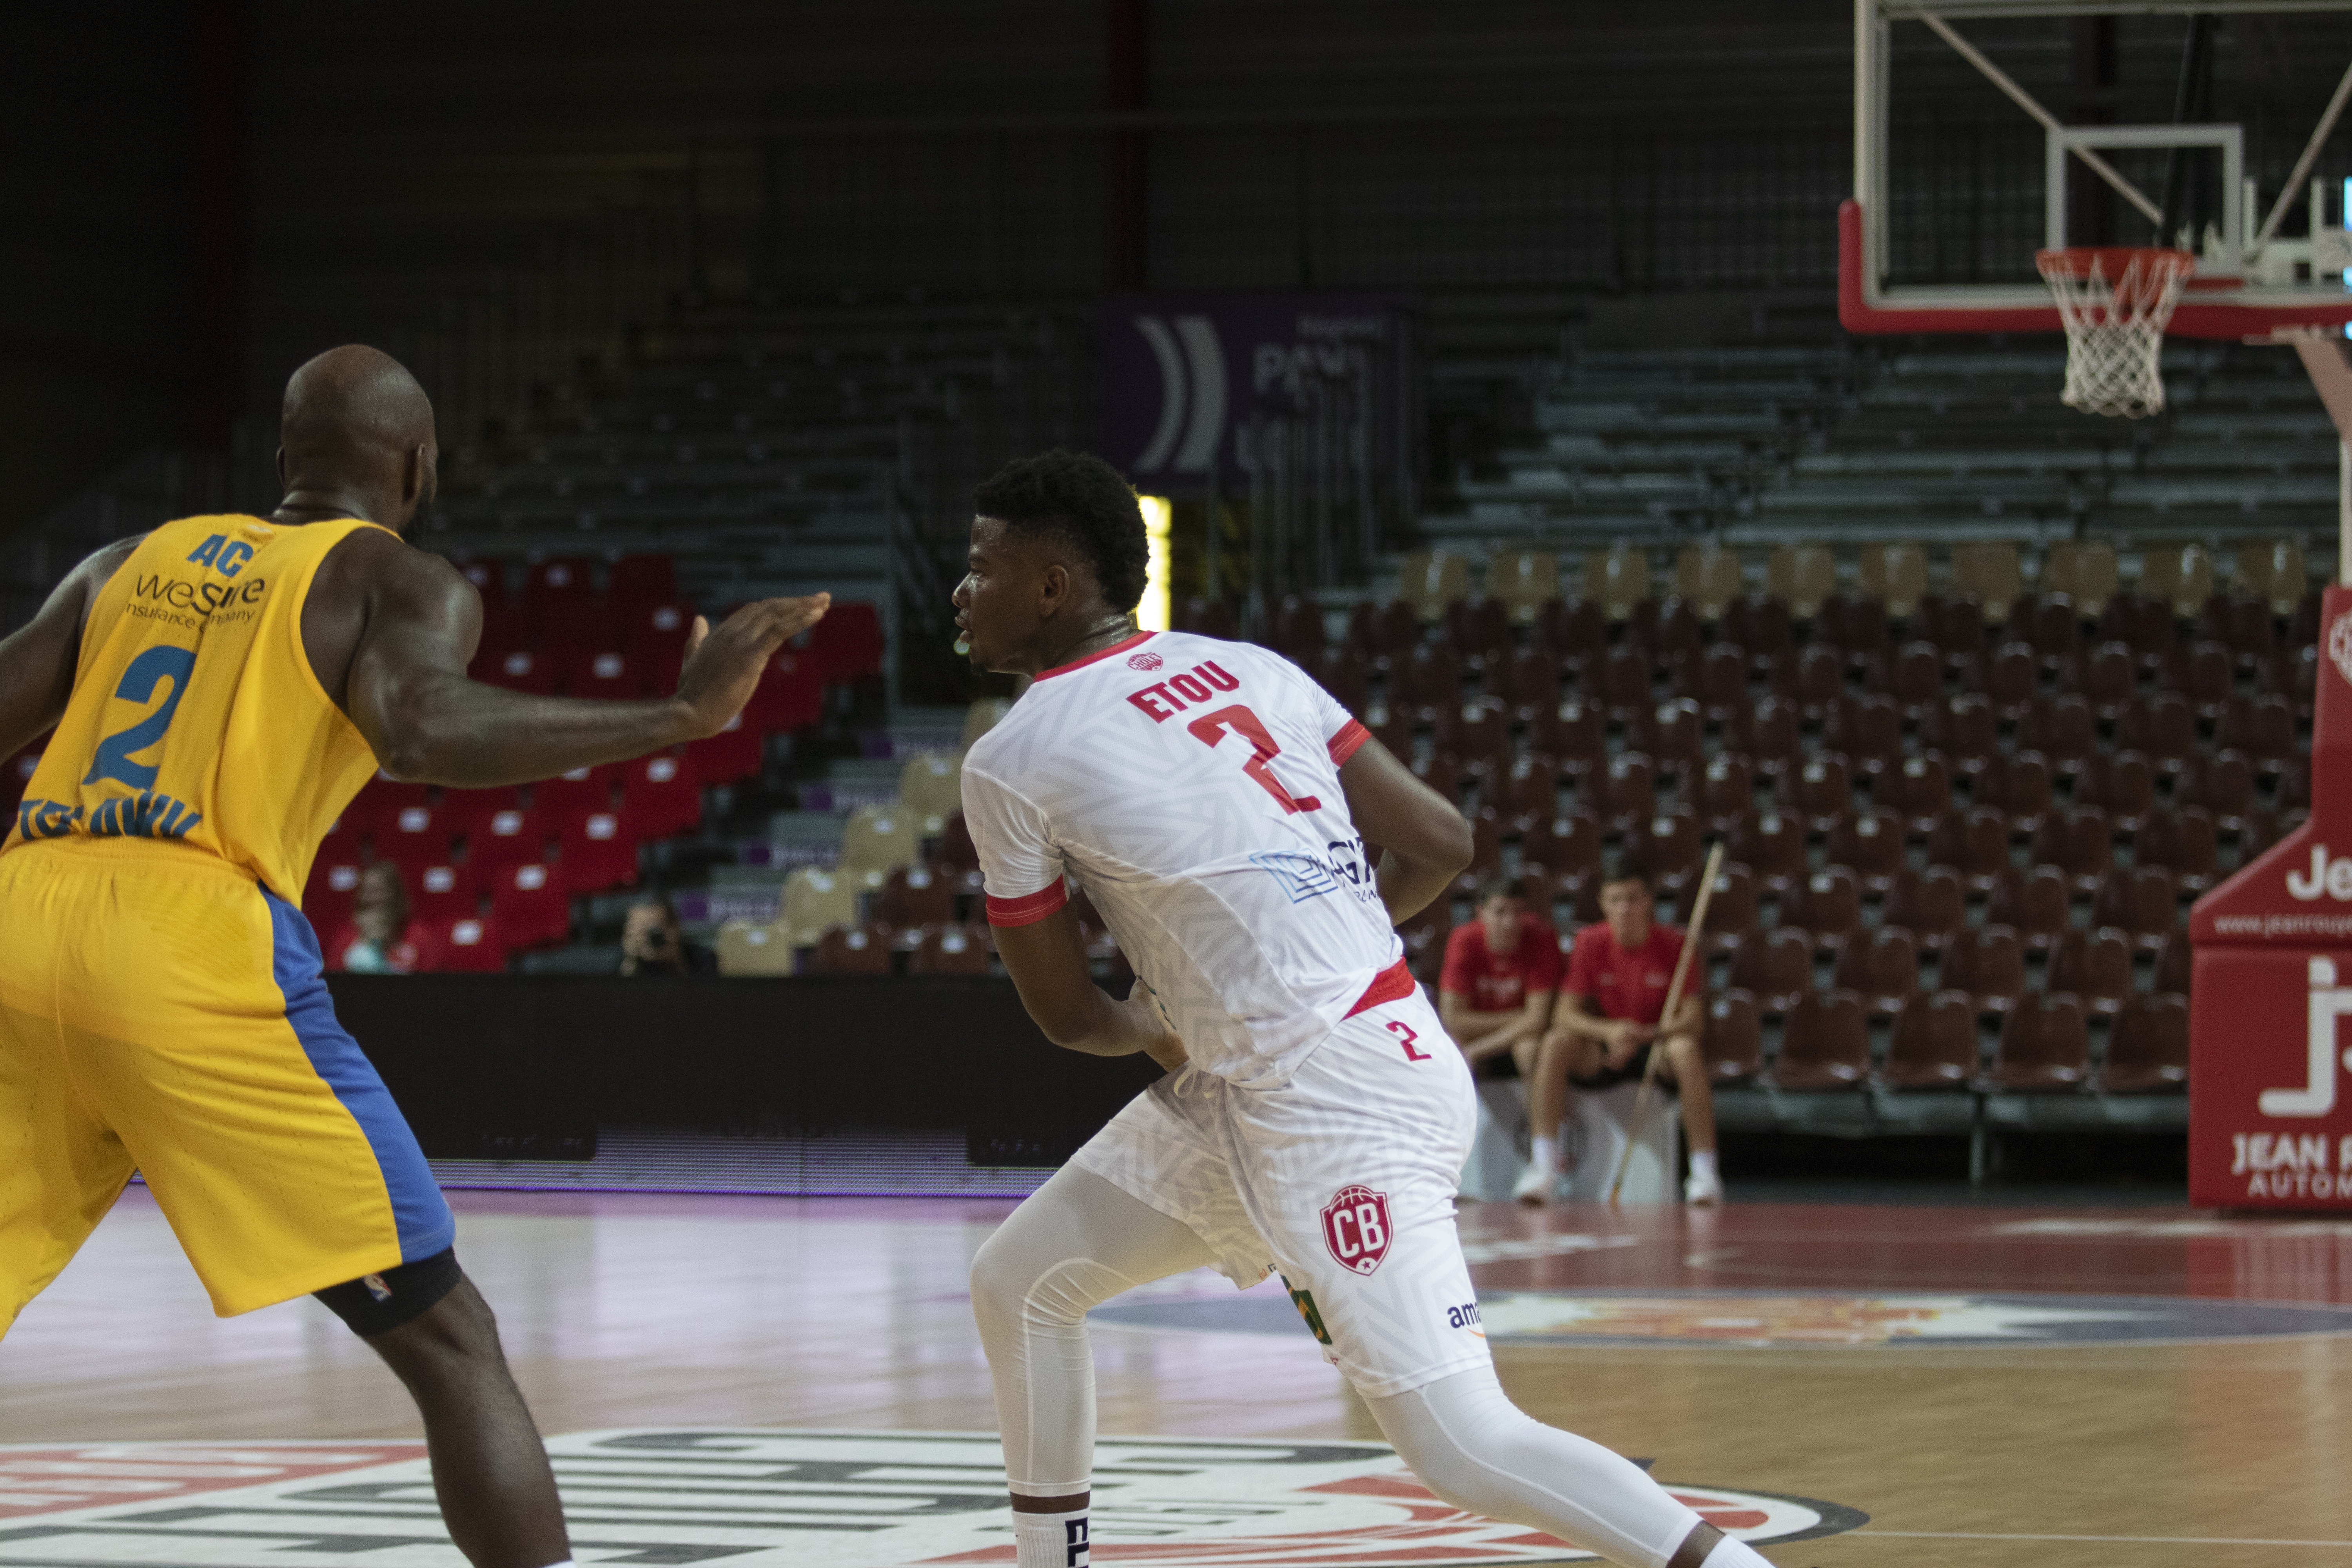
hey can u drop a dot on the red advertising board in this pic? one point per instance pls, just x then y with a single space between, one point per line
2269 1077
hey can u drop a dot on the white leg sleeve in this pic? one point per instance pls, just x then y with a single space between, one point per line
1076 1242
1472 1447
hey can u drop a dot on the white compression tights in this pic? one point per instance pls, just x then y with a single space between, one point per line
1079 1241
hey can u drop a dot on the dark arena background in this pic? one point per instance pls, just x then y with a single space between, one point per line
1650 421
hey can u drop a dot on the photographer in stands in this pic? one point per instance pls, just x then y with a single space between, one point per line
651 942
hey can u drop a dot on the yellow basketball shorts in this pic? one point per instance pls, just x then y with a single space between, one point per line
162 1011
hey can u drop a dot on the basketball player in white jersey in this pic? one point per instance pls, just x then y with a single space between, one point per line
1215 802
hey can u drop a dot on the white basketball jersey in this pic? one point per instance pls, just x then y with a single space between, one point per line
1192 787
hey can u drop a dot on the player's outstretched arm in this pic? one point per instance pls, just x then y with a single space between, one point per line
38 660
1048 961
1427 841
408 692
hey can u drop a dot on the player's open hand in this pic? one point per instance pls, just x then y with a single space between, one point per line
723 664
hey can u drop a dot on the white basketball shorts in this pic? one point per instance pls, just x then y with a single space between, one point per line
1341 1180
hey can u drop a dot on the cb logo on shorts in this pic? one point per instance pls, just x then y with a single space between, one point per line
1356 1229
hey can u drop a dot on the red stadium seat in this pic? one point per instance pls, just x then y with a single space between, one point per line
1529 790
847 644
513 836
1671 732
1776 967
1884 970
2140 902
1869 843
439 893
951 950
2183 842
655 640
1340 672
2122 784
2079 842
1567 845
600 851
1974 842
1824 1045
1989 963
414 837
914 898
1627 792
607 674
733 754
1819 792
2044 1048
464 811
1767 732
1622 684
334 884
575 793
1773 846
1299 631
1733 1041
529 905
1574 628
661 796
639 583
791 693
2223 783
1827 906
472 944
2010 677
865 950
1732 914
2019 787
1934 1044
2034 901
1571 734
1918 791
1669 848
519 669
1963 732
1931 905
2148 1047
1760 625
1727 791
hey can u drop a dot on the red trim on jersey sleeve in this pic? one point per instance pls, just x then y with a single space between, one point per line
1345 744
1029 908
1090 658
1393 984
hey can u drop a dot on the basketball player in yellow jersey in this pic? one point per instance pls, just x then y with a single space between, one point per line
221 688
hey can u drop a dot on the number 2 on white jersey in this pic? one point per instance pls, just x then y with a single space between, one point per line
1210 728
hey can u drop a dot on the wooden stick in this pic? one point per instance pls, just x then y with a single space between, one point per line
1674 999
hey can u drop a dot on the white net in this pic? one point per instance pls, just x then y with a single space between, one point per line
2115 305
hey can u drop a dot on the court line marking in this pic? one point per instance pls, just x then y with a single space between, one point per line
2127 1540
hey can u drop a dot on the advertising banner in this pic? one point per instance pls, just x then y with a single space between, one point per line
2270 1076
1184 376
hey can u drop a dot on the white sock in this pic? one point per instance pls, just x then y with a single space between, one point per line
1543 1152
1050 1539
1703 1163
1731 1553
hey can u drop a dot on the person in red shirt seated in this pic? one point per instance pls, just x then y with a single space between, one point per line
1494 996
380 938
1610 1019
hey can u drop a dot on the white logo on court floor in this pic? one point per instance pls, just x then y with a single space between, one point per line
766 1498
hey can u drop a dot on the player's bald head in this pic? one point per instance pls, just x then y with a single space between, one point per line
354 398
356 422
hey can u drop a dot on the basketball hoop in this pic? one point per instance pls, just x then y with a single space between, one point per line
2114 303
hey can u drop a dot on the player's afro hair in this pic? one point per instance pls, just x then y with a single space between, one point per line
1083 501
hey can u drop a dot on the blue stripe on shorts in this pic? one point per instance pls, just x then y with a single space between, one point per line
419 1212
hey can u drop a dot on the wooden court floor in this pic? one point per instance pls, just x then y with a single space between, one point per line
1958 1374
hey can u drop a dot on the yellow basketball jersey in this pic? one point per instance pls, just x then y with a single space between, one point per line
196 715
